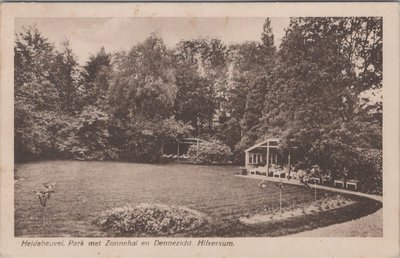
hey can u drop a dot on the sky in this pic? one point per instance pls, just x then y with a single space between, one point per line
88 35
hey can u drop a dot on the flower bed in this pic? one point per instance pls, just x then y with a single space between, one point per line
150 220
298 210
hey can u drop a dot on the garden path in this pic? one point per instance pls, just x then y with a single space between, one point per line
370 225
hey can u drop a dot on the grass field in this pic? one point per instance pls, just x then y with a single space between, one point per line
85 189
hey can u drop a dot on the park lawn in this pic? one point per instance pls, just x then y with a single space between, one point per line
86 189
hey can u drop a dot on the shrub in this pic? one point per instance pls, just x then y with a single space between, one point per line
150 220
371 171
209 152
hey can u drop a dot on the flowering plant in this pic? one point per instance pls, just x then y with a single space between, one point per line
44 194
150 220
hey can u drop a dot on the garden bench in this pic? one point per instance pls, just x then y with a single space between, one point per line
279 173
326 180
261 170
315 180
352 182
338 181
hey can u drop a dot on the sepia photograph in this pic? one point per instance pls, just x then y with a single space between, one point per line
190 127
199 130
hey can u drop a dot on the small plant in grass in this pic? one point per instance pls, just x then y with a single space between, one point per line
303 209
44 194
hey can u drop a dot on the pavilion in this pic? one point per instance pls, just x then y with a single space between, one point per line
266 153
178 149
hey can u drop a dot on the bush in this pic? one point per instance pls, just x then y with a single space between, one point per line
209 152
370 171
150 220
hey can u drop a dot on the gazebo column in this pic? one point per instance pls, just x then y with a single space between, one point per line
267 158
246 162
289 165
177 152
197 149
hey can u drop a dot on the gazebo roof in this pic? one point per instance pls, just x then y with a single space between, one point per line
261 144
192 140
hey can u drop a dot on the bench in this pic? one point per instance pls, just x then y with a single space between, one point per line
338 181
352 182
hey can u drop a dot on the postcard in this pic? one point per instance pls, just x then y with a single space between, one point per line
199 130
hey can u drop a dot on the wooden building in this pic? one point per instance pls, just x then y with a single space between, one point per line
265 153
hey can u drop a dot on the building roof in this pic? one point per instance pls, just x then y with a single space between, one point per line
192 140
261 143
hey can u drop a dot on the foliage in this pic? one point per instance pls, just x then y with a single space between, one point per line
143 82
370 171
209 152
91 136
296 209
253 65
313 102
201 71
195 103
34 92
150 220
314 93
95 77
229 132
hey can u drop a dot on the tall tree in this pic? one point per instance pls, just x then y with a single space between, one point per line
194 102
314 100
143 82
37 99
206 62
66 77
142 95
256 80
97 75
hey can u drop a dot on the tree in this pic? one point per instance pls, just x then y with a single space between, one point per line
194 101
255 63
37 99
143 81
203 63
66 76
314 100
46 88
97 75
172 130
267 45
141 96
91 136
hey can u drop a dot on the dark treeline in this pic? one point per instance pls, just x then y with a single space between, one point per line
125 106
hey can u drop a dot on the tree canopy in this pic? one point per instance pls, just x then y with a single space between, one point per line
314 91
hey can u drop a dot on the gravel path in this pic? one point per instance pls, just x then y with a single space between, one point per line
368 226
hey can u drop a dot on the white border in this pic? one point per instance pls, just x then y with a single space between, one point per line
388 246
